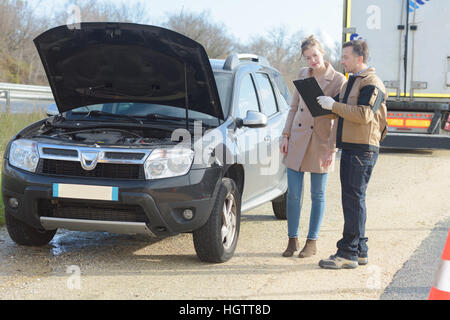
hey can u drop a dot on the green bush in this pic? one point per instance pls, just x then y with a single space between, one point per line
10 124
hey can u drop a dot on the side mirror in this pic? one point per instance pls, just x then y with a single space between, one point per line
255 119
52 110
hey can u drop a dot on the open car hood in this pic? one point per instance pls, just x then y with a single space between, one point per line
102 62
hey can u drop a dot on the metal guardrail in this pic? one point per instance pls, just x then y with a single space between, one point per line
12 91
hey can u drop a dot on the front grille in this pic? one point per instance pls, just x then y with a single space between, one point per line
60 152
102 170
124 155
79 210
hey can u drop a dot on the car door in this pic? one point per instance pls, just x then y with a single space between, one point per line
272 167
249 140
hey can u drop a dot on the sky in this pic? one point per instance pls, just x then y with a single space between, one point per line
245 19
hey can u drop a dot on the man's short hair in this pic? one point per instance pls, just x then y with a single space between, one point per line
360 48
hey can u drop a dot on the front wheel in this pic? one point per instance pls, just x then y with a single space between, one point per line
23 234
217 239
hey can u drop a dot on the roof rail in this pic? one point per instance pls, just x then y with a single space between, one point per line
233 60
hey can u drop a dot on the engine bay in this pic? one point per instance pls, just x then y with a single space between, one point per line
110 137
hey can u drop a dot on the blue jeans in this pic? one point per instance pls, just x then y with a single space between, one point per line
294 201
356 169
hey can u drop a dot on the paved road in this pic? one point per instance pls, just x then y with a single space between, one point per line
408 211
413 281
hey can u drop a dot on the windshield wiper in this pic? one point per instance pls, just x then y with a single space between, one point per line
96 113
80 124
158 116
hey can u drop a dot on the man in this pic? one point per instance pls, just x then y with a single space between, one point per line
361 126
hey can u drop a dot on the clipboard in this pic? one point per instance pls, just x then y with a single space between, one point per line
309 89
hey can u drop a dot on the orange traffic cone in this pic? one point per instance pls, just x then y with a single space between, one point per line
441 286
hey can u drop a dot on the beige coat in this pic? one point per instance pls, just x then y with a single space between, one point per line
310 138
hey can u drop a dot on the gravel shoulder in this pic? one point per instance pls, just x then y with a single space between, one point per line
407 197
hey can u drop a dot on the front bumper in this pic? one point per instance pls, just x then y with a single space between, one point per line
161 201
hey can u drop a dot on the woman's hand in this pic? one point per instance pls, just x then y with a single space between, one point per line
328 159
284 145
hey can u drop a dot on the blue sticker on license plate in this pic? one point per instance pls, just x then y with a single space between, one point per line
88 192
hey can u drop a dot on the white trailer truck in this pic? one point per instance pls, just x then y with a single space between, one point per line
409 44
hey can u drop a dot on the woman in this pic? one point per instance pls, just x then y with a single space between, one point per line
309 146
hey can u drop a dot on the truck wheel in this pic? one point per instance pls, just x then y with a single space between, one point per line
23 234
279 207
217 239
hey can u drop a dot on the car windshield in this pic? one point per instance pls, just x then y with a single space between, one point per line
128 110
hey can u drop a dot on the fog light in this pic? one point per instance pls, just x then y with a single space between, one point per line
188 214
13 203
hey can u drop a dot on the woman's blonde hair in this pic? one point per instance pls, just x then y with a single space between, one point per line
310 42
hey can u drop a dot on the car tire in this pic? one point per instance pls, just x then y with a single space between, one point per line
23 234
279 207
217 239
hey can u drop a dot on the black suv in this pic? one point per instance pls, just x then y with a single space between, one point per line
120 157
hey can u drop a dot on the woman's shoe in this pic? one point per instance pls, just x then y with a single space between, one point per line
291 248
309 249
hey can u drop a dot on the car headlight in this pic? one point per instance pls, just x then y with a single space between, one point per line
164 163
24 154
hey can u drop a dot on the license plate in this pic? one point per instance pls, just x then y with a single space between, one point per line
88 192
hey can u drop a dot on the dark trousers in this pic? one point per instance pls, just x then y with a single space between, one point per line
355 171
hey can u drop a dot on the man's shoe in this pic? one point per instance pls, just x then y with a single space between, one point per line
363 261
291 248
335 262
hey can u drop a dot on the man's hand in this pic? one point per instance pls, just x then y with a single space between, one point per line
326 102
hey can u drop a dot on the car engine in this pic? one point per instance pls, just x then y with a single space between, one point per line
110 137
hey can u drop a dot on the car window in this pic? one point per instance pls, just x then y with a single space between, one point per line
224 83
282 103
247 97
282 86
269 104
